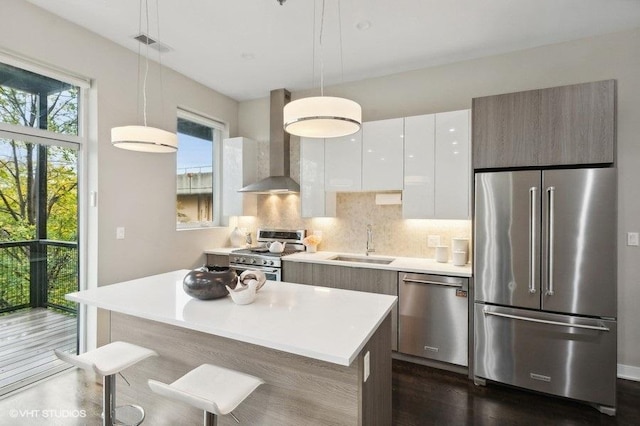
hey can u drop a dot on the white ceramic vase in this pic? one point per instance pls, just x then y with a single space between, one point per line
237 237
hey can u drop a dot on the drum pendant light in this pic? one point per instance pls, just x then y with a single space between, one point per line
322 116
142 137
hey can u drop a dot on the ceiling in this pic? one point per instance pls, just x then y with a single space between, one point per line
245 48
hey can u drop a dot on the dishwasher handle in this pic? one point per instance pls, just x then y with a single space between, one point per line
457 284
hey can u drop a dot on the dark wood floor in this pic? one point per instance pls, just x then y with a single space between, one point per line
425 396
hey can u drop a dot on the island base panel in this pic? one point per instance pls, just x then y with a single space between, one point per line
298 390
376 392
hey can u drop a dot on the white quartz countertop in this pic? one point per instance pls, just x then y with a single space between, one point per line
400 264
221 250
322 323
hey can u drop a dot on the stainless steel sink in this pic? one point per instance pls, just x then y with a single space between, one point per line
359 259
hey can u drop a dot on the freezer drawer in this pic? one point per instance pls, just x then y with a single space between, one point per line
433 317
539 351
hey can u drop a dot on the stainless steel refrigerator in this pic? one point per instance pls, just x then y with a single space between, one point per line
545 282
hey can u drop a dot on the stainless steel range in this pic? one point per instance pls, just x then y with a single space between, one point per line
261 259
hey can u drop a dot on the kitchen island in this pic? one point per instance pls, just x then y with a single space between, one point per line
311 345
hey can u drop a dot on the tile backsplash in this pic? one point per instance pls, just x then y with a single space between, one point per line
346 232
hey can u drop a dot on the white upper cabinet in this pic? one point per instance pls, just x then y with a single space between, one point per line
427 157
314 201
343 163
437 166
418 198
239 165
453 165
382 155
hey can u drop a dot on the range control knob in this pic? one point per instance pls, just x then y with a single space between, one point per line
253 261
271 262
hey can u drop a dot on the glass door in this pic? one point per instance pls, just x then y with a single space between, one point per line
39 259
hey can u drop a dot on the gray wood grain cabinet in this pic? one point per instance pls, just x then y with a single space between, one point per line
567 125
347 278
218 259
297 272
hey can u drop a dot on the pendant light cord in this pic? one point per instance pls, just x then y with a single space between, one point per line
146 71
313 46
322 51
160 61
340 36
139 62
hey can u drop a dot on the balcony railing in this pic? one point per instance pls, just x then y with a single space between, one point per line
37 273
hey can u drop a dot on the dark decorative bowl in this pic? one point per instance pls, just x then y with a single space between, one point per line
208 282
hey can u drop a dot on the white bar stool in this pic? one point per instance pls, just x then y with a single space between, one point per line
109 360
216 390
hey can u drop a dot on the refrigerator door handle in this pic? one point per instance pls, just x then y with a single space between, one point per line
541 321
532 239
551 196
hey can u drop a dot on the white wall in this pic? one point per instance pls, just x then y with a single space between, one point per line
135 190
451 87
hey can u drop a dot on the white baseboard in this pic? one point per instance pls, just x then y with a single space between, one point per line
629 372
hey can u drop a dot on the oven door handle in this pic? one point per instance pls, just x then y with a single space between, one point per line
275 272
253 268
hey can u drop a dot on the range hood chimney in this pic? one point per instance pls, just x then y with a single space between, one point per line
279 180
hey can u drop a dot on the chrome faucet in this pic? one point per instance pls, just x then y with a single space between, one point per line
370 248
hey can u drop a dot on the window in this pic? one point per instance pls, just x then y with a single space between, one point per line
31 100
197 174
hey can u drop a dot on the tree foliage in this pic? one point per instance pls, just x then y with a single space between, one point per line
56 112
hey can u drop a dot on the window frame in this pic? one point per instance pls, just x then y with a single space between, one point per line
221 128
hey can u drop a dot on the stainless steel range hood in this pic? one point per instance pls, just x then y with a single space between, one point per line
279 180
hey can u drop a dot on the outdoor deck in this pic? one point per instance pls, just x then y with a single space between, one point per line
27 340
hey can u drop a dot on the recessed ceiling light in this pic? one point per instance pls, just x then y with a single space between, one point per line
363 25
248 56
453 129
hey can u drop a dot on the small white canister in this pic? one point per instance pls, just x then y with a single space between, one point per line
461 244
442 254
459 258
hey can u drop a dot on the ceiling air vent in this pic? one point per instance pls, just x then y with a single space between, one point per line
153 44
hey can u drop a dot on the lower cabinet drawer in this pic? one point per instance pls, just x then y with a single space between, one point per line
561 355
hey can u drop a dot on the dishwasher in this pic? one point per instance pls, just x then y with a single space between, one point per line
433 311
